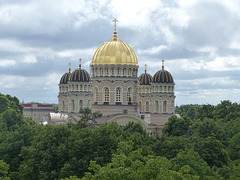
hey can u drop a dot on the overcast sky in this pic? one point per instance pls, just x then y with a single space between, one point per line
199 40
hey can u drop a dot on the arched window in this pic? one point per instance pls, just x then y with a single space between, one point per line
95 95
106 72
106 94
172 107
118 71
160 88
129 95
85 87
88 103
156 106
140 106
63 106
80 87
100 71
165 107
72 106
80 104
165 88
147 90
169 89
112 71
147 106
118 94
96 72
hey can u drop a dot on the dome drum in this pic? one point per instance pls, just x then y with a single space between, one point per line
114 71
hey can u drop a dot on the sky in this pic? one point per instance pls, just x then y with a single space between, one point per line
198 39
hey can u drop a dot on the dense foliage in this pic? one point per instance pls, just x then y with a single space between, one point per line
203 144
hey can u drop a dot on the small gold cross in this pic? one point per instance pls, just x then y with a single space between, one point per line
69 67
115 24
80 62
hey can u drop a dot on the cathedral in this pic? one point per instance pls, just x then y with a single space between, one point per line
115 89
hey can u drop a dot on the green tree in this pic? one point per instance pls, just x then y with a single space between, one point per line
128 164
207 127
11 144
177 126
14 103
188 110
235 172
234 147
205 111
12 119
55 108
134 132
3 170
170 146
88 118
197 166
46 155
212 151
4 103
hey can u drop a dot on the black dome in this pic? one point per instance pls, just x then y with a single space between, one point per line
65 77
79 75
163 76
145 79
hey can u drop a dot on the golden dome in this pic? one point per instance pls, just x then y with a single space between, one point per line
114 51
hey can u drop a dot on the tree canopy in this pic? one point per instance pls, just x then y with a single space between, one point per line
202 144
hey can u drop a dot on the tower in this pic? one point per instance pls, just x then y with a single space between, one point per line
145 81
80 90
63 91
114 77
163 92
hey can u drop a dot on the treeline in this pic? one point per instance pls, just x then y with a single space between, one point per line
203 144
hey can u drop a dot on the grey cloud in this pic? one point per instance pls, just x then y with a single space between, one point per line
210 24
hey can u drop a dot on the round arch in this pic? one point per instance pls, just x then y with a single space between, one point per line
123 119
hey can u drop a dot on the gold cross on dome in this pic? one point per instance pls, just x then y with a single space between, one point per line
115 24
163 64
145 67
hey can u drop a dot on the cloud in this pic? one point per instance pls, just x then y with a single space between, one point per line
198 39
7 63
77 52
152 50
207 96
217 64
29 59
